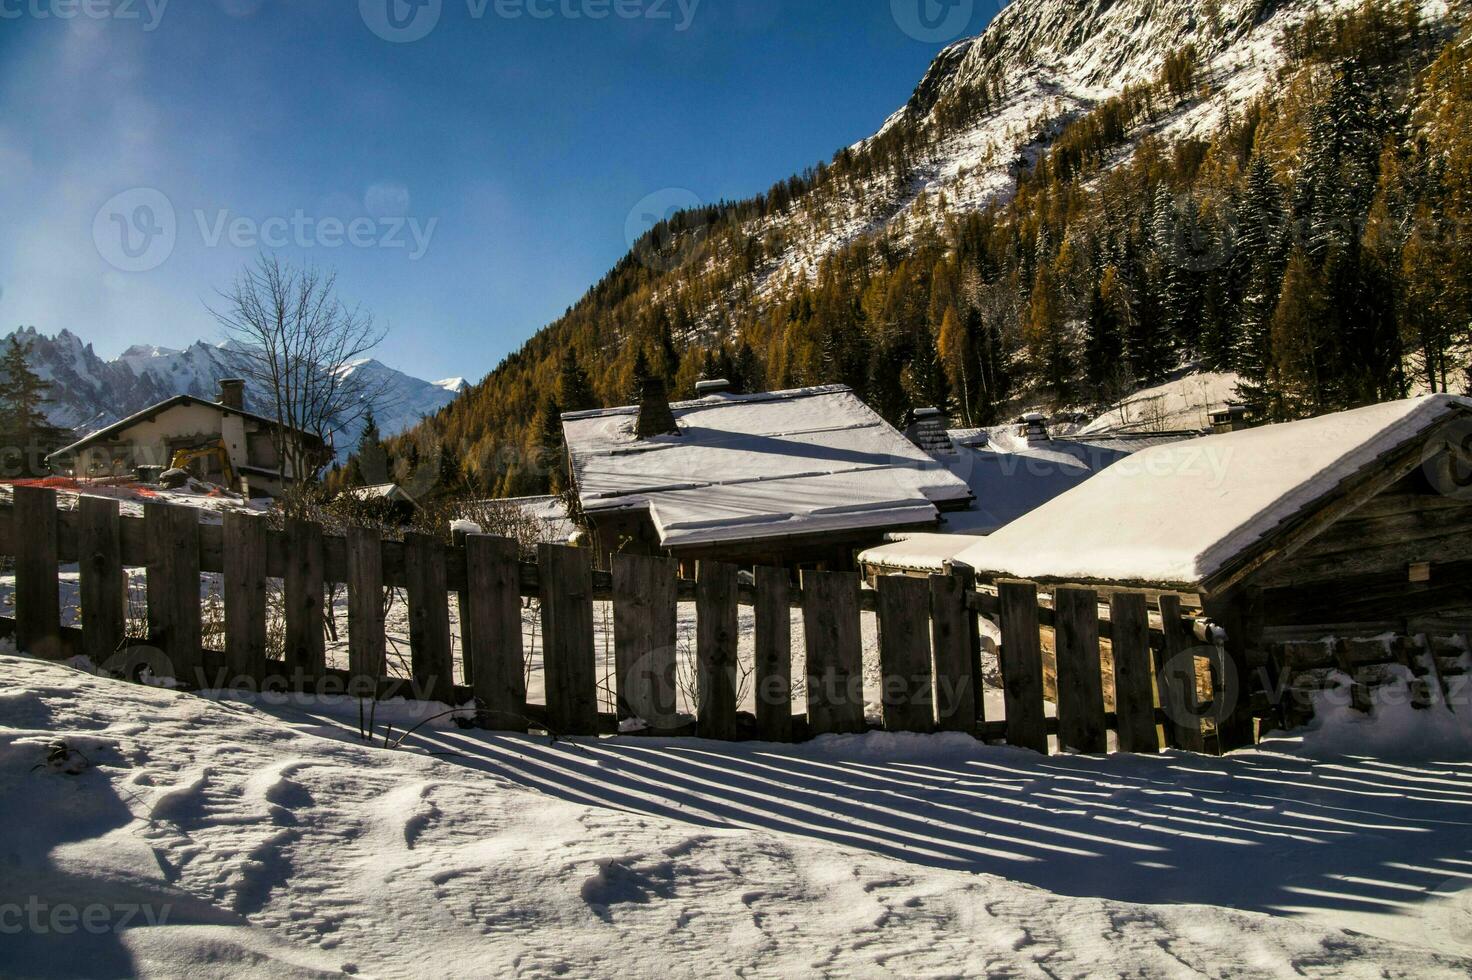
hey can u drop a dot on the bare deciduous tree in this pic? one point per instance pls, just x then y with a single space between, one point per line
300 342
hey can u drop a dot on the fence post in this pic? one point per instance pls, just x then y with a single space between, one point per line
569 661
773 614
1080 674
1175 673
956 685
366 640
835 652
716 632
645 614
492 632
904 654
306 643
245 596
429 617
173 588
1134 700
100 557
1022 666
37 586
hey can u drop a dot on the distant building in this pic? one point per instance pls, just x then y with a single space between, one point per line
152 437
396 502
802 477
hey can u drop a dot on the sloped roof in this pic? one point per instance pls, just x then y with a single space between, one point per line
391 492
755 466
153 411
1011 476
1178 514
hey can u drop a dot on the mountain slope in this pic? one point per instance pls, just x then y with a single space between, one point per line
1093 192
88 392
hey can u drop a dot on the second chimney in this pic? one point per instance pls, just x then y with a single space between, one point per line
232 393
655 417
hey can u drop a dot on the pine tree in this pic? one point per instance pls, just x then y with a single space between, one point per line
371 457
574 389
551 459
28 435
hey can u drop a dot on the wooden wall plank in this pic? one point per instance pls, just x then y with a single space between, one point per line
103 580
245 598
645 616
1232 703
173 589
1134 694
1080 677
773 611
37 588
952 629
366 641
491 629
904 654
835 653
568 654
1175 673
716 638
1022 666
429 616
303 585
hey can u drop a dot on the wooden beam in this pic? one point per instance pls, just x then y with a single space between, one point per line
1080 678
835 654
1134 696
568 654
645 637
103 582
773 655
37 589
952 626
717 633
491 633
1022 666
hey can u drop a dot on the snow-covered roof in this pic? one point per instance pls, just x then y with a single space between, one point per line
1011 476
918 553
759 466
391 492
1177 514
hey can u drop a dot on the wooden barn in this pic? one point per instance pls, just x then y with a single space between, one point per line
1340 543
795 478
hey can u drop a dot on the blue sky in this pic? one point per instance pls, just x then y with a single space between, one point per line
509 145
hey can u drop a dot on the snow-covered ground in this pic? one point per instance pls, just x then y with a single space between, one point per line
268 840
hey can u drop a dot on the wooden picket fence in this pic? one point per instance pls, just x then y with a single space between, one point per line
929 637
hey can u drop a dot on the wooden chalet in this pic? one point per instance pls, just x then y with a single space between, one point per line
1349 535
803 478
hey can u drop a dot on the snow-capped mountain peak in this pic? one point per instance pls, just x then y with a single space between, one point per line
88 392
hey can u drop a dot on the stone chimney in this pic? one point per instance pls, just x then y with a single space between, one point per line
232 393
655 417
1233 418
1034 428
931 432
715 386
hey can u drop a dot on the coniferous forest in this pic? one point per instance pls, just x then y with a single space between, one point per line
1317 242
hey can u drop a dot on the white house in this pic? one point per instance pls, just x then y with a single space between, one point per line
152 437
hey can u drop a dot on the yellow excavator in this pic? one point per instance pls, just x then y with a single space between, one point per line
183 457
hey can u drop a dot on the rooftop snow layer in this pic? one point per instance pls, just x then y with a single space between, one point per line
780 463
1179 513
